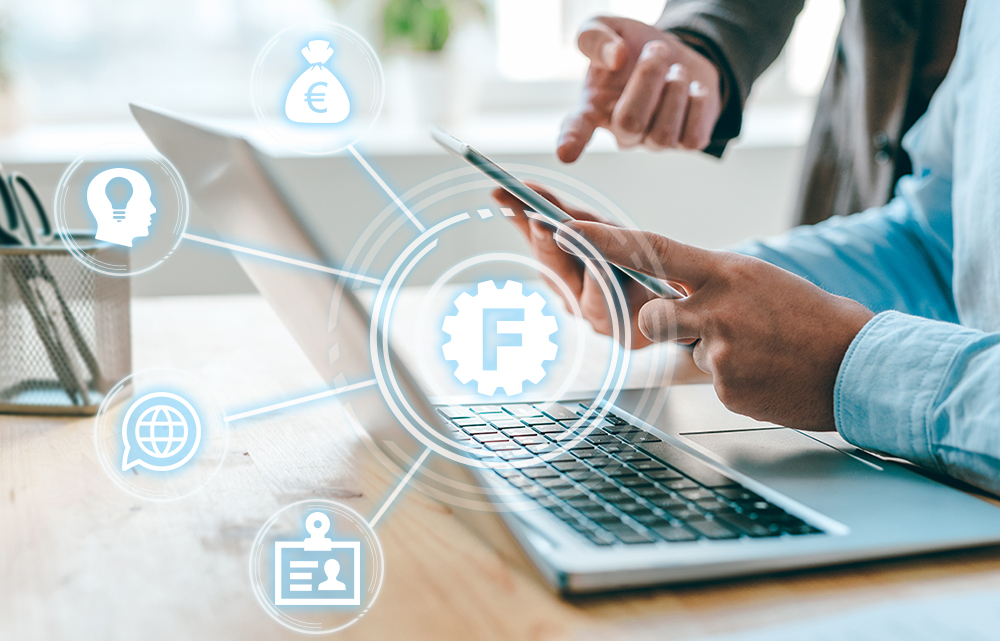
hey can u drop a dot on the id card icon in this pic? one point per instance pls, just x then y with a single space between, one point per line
317 570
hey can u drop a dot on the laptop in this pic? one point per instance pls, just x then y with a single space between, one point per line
695 493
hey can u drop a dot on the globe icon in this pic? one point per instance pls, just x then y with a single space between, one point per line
161 431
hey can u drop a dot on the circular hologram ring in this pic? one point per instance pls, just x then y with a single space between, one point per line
317 87
160 435
121 209
416 424
316 566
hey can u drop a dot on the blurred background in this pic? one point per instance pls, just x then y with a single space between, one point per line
500 74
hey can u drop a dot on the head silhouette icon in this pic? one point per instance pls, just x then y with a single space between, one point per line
122 214
332 570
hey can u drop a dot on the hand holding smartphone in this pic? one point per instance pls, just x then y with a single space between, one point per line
531 198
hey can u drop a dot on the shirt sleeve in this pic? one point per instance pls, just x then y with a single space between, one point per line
896 257
926 391
741 37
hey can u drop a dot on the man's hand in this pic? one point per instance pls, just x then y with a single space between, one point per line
571 270
646 86
772 341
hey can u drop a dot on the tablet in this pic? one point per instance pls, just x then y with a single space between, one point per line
535 200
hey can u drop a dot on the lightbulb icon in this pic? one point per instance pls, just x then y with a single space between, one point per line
119 191
120 200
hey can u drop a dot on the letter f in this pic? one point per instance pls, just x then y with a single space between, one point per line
493 339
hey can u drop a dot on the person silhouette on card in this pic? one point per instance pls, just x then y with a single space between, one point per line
332 569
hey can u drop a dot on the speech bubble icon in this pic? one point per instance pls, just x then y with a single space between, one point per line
161 432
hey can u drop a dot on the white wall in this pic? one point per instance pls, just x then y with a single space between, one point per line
690 197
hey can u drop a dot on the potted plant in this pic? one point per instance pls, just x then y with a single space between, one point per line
426 85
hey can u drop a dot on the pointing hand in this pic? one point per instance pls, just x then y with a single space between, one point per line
646 86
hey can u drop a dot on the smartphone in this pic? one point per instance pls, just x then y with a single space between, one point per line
533 199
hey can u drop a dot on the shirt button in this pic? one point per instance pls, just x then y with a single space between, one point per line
880 143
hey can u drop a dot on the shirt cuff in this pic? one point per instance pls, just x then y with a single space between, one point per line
889 379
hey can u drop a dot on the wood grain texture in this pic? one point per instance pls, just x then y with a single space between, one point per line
80 559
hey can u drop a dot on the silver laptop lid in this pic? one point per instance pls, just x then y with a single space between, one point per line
229 182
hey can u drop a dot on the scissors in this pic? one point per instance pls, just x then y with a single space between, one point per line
53 319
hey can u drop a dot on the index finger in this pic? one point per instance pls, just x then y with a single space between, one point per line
649 253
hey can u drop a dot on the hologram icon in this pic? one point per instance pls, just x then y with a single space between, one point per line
500 338
298 579
317 96
120 200
161 432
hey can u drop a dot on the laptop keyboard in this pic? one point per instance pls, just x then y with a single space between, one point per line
608 487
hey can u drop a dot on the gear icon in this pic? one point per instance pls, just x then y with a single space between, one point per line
500 338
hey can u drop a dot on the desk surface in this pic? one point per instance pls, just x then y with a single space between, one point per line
80 559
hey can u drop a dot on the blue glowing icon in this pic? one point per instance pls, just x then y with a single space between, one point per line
161 432
317 570
500 338
120 200
317 96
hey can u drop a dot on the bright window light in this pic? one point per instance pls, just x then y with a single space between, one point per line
810 46
536 39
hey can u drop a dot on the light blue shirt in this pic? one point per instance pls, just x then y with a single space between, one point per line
921 381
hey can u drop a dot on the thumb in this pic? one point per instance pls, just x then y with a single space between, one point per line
604 46
643 251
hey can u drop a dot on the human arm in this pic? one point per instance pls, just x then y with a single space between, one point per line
679 83
741 38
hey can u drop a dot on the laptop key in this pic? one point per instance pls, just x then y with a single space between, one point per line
507 423
541 420
749 526
521 411
674 533
556 411
539 472
514 455
468 422
626 534
477 430
711 528
615 496
662 475
455 411
514 432
500 446
486 409
633 482
495 437
633 456
649 466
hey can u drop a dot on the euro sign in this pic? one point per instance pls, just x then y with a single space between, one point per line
313 96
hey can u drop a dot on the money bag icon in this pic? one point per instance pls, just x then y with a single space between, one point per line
317 96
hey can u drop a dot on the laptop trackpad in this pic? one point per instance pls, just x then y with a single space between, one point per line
792 463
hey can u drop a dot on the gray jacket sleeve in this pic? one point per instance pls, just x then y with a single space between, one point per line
742 37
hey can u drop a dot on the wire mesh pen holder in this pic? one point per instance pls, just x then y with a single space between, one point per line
65 330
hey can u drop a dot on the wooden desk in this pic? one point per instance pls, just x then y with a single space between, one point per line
81 559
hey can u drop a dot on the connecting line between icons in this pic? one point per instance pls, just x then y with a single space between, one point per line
399 488
282 259
299 401
385 187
